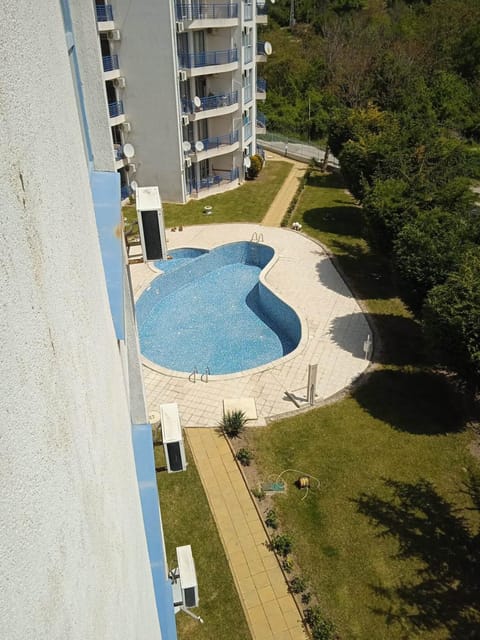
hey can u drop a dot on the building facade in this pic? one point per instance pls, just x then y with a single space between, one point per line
182 86
81 545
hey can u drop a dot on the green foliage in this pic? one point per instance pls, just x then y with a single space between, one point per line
452 318
256 164
287 565
233 423
281 544
271 519
298 584
244 456
321 627
258 493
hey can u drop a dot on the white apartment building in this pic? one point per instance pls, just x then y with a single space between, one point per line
182 89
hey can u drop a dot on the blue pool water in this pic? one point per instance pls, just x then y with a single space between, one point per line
210 310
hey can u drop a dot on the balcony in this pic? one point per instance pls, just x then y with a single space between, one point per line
206 11
260 123
110 63
248 12
262 12
261 89
220 177
115 109
224 103
207 58
104 12
125 191
219 141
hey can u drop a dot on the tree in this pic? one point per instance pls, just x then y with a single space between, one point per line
452 318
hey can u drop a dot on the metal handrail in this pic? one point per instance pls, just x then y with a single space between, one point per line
193 376
211 102
115 109
104 12
207 58
204 376
110 63
186 11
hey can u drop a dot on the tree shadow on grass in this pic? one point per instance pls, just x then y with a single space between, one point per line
397 340
418 402
445 593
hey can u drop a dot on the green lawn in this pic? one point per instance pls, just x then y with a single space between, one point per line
187 520
248 203
388 541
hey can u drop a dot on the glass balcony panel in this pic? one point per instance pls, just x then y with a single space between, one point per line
247 131
104 12
219 141
207 58
115 109
213 180
261 120
110 63
261 85
204 11
248 54
247 94
248 12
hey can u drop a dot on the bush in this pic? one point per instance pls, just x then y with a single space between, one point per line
258 492
233 423
282 544
287 565
244 456
256 164
271 519
322 628
306 597
298 584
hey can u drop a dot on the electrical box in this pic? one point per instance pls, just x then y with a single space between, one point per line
172 437
151 223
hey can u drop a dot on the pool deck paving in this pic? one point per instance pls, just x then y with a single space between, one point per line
270 609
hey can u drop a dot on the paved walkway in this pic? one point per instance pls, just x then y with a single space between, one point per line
270 609
278 208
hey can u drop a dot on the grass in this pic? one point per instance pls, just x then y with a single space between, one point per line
248 203
187 520
388 543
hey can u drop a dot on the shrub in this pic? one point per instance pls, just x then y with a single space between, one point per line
298 584
256 164
287 565
271 519
306 597
322 628
233 423
244 456
282 544
258 492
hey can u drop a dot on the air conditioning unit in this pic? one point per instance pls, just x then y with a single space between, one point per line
184 578
120 83
185 120
114 34
182 75
132 167
180 27
126 127
172 437
154 243
188 162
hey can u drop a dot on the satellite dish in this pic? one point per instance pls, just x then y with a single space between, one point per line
267 47
197 102
186 145
199 146
247 163
134 185
272 1
128 150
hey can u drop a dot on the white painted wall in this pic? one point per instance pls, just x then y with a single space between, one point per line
73 555
147 57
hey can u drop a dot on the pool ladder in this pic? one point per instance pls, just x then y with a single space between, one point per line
256 237
204 377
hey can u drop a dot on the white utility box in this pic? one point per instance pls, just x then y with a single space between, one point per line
172 437
151 223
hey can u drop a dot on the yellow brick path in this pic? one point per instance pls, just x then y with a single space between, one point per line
270 610
280 203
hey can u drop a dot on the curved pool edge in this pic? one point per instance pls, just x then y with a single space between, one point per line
245 372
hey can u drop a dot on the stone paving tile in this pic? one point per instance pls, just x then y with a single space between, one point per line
269 608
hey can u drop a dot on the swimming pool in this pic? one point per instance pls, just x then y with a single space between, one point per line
212 311
178 257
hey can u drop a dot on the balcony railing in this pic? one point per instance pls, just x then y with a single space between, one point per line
261 85
219 141
115 109
185 11
214 180
211 102
247 94
248 53
118 152
207 58
110 63
104 12
261 120
247 131
260 48
262 8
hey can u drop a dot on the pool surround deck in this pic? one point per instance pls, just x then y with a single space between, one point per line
334 329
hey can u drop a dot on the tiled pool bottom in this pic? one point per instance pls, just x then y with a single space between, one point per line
335 329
